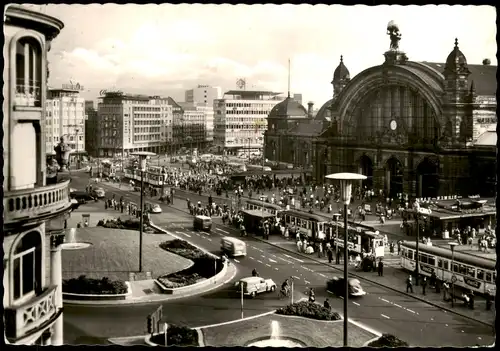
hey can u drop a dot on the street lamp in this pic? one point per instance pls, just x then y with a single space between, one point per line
346 180
453 277
143 156
77 157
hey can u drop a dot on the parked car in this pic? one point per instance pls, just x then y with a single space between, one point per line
98 192
336 286
82 197
255 285
156 208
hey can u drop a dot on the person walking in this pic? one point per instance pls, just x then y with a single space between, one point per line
424 285
380 268
330 255
327 305
409 284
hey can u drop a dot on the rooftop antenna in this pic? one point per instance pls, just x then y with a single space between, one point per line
288 77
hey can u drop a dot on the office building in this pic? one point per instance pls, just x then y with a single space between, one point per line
65 116
92 131
240 120
195 124
203 94
130 123
34 212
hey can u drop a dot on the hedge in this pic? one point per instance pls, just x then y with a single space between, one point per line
177 336
84 285
203 264
131 224
309 310
388 340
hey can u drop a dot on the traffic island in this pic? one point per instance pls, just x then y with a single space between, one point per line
176 336
287 327
387 340
205 268
85 289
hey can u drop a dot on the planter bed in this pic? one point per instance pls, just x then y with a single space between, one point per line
89 286
176 336
388 340
131 224
310 310
203 265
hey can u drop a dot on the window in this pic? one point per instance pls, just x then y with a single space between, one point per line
488 277
480 274
431 260
463 269
27 267
423 258
28 72
455 267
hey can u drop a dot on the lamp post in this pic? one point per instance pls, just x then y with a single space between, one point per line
143 156
77 158
453 277
346 180
418 211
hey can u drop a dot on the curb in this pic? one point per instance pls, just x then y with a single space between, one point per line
377 283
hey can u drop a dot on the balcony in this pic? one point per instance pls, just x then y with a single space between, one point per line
40 311
29 206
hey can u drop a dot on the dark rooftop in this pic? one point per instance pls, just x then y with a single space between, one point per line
247 93
307 128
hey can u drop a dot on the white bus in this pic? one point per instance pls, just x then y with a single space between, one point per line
471 272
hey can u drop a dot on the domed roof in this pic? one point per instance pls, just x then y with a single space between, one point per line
288 108
324 113
456 61
341 72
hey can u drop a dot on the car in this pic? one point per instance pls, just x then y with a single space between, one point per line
255 285
156 208
98 192
82 197
336 286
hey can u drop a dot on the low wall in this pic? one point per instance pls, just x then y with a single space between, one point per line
182 289
148 341
97 297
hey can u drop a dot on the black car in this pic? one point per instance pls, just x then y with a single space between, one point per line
82 197
336 286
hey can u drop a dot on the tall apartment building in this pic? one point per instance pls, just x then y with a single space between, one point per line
177 124
65 116
240 119
129 123
167 128
203 94
34 212
91 129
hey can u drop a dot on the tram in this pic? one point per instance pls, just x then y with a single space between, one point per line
263 206
308 224
470 272
108 169
152 176
359 239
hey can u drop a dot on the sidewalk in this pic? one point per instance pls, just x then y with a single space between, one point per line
394 278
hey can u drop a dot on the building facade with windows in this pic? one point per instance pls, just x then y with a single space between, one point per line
65 116
178 140
240 120
130 123
197 124
92 131
418 128
203 94
34 212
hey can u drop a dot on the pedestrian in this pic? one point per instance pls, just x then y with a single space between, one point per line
330 255
381 268
471 299
326 304
409 284
445 290
424 285
489 299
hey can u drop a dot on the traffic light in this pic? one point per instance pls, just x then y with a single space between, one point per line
150 324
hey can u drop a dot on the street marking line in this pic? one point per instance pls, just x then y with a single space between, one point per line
267 264
357 304
410 311
262 256
383 315
295 277
274 255
209 239
342 297
259 249
276 268
270 259
307 282
221 230
321 274
285 260
251 258
293 258
307 269
259 261
384 300
398 305
235 260
184 234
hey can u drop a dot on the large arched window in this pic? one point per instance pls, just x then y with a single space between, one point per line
28 72
414 115
27 265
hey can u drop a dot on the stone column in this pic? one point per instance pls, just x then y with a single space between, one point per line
378 178
56 279
409 182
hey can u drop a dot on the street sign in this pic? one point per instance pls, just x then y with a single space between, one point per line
153 320
453 278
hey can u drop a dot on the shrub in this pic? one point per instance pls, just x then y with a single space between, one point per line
84 285
388 340
177 336
309 310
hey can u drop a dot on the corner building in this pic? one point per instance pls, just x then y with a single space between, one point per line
34 212
418 128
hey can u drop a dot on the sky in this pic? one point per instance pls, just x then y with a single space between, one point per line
167 49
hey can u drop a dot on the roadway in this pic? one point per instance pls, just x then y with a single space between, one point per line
382 309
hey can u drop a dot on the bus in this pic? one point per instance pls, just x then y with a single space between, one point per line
470 272
263 206
359 239
308 224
